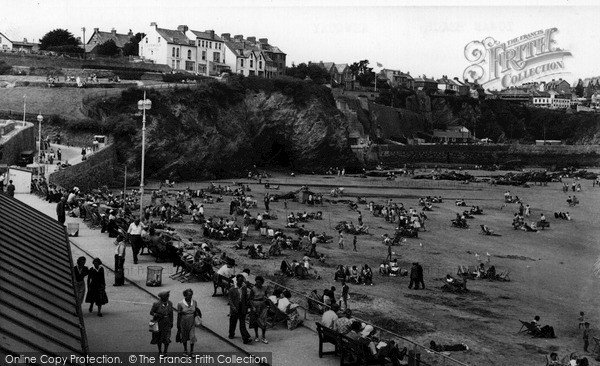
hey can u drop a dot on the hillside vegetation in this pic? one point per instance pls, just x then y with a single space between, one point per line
220 130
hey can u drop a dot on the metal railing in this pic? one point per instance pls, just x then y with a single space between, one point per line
414 344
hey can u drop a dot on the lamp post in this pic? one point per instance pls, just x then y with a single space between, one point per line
83 42
143 105
24 108
40 118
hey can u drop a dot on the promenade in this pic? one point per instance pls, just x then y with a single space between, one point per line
124 326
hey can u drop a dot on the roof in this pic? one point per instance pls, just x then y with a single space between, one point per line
341 67
120 39
173 36
328 66
38 306
206 35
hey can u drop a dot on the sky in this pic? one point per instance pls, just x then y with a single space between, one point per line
426 37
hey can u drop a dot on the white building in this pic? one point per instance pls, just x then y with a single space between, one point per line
209 58
251 57
166 46
5 43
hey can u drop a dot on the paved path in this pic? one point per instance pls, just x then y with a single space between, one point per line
128 310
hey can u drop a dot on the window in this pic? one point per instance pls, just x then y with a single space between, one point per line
189 54
202 43
251 63
201 69
209 44
178 52
242 64
216 57
189 65
158 39
260 64
203 55
146 39
172 64
173 52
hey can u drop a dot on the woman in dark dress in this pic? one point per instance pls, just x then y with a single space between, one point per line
162 312
80 271
96 286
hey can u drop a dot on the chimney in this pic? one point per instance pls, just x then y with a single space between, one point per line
238 37
251 39
226 36
24 40
263 40
113 31
153 24
130 34
211 33
96 30
182 28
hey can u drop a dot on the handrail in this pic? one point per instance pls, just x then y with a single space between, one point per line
375 326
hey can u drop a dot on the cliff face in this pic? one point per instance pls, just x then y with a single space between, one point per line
223 130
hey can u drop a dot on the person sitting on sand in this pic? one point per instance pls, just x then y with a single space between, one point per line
448 347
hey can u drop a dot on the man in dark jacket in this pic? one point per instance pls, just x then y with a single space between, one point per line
238 305
414 276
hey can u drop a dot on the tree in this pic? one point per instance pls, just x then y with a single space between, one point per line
57 39
312 71
579 89
363 73
132 48
108 48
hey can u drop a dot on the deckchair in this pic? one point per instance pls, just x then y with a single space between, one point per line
596 345
528 327
274 315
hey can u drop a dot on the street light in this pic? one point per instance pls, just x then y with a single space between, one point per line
143 105
24 108
83 29
40 118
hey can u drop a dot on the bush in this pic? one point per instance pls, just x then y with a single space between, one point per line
4 68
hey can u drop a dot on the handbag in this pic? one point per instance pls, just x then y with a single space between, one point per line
197 320
153 326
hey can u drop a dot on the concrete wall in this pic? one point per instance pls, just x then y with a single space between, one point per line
588 155
95 172
18 140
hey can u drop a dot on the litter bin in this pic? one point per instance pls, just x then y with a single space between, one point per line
154 276
73 229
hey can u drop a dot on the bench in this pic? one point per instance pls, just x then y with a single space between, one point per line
355 353
327 335
223 282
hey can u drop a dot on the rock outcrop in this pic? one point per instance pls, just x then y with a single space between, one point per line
220 130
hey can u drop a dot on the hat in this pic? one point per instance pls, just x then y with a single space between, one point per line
164 293
367 330
231 261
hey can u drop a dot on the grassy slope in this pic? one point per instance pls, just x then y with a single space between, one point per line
65 102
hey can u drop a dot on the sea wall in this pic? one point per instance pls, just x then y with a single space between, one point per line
532 155
95 172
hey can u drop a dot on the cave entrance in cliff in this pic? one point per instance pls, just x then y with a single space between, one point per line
278 154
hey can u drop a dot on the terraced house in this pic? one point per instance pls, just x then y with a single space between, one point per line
208 54
251 57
